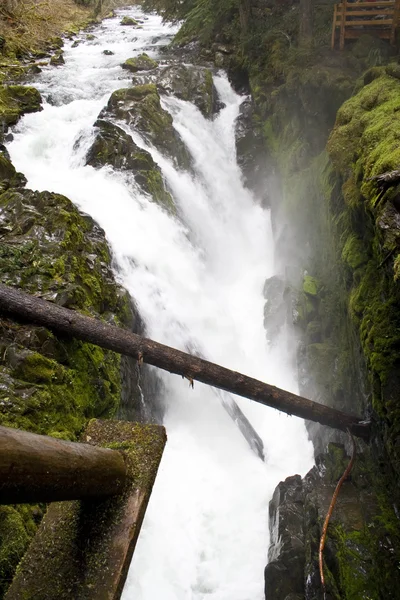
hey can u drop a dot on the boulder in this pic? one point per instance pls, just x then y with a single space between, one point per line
57 60
15 101
114 147
129 22
140 108
194 84
143 62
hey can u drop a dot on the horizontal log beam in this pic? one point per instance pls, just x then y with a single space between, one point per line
39 468
83 550
17 303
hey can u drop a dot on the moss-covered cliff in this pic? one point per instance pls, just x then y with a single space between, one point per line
337 229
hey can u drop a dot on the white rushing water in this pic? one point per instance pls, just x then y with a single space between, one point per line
198 284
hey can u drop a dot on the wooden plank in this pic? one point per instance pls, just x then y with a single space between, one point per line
374 22
367 13
38 468
383 34
83 550
358 5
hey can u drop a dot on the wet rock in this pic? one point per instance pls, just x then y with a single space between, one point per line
143 62
284 573
15 101
114 147
108 52
194 84
219 60
297 513
57 60
277 306
128 21
250 150
76 43
140 108
8 175
90 37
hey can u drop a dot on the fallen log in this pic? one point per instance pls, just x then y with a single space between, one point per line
17 303
39 468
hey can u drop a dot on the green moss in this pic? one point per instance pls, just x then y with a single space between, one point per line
16 100
310 285
35 368
143 62
15 540
354 252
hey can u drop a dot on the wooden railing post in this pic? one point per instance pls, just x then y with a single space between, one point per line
342 24
334 27
395 22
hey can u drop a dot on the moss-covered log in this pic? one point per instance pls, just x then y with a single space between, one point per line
83 550
23 305
39 468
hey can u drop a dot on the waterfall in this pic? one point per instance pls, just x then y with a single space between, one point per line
197 278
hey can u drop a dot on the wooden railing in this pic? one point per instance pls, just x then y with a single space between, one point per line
353 19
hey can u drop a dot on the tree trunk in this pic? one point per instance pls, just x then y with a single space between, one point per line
38 468
36 310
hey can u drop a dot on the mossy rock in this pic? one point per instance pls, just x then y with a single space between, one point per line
8 175
112 146
15 101
143 62
57 60
140 108
194 84
129 22
310 285
354 252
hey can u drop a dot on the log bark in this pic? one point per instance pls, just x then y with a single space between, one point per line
38 468
36 310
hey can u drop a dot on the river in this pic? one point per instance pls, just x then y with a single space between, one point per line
198 282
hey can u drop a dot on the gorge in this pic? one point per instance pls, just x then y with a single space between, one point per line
213 202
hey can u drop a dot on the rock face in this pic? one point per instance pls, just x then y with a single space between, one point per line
112 146
194 84
140 107
250 151
358 542
277 308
